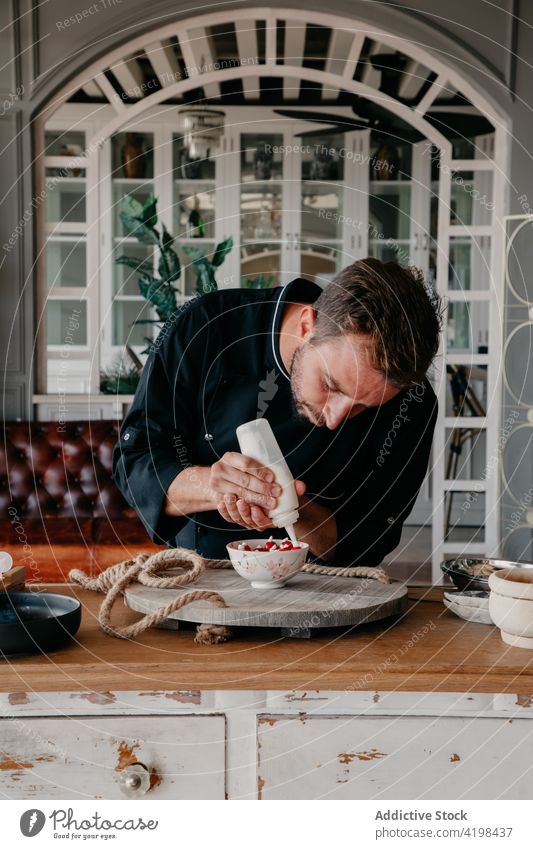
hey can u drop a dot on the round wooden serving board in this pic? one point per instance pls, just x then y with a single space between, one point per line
306 602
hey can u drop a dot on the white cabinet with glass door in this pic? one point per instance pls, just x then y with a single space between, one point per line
291 204
70 297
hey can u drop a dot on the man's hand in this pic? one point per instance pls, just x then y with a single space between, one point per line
248 491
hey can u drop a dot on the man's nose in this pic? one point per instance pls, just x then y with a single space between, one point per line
335 412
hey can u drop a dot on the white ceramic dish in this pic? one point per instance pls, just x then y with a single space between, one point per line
266 570
470 605
511 605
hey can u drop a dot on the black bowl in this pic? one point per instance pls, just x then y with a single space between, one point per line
33 623
463 581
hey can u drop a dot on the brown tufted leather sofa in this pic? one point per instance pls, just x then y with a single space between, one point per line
56 494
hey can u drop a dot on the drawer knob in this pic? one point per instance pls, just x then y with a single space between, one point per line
134 780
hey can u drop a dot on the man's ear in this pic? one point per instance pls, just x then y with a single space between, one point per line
307 322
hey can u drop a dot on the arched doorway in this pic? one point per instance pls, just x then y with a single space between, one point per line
277 75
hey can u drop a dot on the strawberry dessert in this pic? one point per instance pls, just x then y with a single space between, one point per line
271 545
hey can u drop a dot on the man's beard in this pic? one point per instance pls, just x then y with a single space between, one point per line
302 408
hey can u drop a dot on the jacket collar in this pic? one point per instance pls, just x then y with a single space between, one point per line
296 291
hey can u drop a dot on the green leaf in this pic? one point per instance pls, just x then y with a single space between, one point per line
206 277
162 267
221 252
194 252
259 282
145 235
166 240
130 206
131 215
140 265
149 211
173 264
162 296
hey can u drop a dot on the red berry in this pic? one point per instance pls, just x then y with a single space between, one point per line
246 547
270 544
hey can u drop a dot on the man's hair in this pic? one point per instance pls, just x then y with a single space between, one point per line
392 308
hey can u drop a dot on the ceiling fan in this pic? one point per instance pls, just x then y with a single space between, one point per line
367 116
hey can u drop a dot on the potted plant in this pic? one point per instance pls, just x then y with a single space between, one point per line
159 288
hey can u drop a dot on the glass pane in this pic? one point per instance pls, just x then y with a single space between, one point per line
518 544
194 211
469 262
321 211
64 143
124 278
471 198
190 169
124 314
469 146
261 261
389 160
519 261
260 212
517 475
466 392
389 250
323 158
468 326
519 364
140 193
261 156
67 375
321 263
389 210
66 262
465 452
66 322
65 198
464 516
132 156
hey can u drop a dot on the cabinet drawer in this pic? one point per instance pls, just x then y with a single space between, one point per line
393 757
90 758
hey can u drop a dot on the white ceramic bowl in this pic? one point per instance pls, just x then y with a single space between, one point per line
266 570
511 605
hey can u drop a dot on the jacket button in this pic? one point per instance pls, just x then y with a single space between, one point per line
390 520
208 437
126 436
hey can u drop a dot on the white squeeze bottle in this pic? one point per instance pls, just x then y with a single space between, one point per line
256 440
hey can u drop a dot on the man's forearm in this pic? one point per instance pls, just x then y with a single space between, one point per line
189 492
317 527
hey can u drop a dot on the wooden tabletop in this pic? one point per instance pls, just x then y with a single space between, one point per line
428 648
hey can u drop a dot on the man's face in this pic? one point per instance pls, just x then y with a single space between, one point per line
334 381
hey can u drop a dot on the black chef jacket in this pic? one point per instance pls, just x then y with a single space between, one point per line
216 364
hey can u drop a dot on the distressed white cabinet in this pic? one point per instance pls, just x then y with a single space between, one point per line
393 757
88 757
237 744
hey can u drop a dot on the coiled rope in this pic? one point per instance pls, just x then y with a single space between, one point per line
143 568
